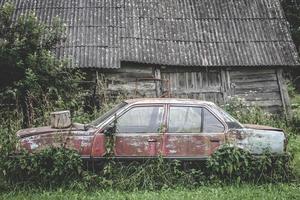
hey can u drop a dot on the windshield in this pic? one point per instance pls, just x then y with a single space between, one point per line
230 121
107 114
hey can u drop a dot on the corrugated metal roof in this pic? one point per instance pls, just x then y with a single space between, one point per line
102 33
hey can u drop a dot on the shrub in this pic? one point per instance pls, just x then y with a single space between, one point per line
252 114
52 166
232 164
30 71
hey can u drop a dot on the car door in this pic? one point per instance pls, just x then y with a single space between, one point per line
193 132
138 131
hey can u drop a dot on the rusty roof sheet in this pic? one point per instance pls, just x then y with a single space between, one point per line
102 33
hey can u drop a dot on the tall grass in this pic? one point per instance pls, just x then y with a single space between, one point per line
252 114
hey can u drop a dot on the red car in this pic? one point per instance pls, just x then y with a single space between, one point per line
142 128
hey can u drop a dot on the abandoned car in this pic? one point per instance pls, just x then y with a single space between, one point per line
142 128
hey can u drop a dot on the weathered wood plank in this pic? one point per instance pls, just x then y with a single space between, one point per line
242 90
257 85
187 69
251 72
225 84
253 79
158 84
129 86
284 93
266 103
261 96
245 74
202 90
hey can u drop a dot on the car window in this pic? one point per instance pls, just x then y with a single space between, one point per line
230 121
108 114
141 120
185 119
211 124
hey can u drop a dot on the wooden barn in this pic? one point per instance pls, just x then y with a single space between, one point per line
203 49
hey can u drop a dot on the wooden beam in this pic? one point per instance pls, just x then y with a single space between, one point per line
283 93
225 84
158 84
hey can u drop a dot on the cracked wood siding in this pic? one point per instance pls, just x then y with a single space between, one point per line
258 87
130 79
195 84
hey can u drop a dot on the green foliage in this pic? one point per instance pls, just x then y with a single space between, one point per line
292 12
52 166
152 174
30 70
62 167
294 149
252 114
233 164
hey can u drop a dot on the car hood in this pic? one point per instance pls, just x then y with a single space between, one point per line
261 127
257 139
47 129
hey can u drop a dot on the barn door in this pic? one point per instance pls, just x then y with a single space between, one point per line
204 85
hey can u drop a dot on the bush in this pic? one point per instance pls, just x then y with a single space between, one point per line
63 167
232 164
52 166
252 114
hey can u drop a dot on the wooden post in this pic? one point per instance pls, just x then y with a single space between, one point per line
158 84
225 84
284 93
61 119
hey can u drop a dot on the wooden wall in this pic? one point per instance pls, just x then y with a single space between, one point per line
257 86
133 79
263 87
195 83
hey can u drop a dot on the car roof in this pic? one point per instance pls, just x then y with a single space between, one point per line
167 100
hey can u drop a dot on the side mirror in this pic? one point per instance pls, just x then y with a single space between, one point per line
110 130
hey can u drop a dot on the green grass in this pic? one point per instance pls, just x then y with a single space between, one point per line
280 191
295 99
294 147
294 141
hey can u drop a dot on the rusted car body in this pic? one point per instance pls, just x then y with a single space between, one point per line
172 128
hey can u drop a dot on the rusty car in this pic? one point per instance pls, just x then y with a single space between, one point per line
144 128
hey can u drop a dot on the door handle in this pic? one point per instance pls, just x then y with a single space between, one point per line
152 140
215 140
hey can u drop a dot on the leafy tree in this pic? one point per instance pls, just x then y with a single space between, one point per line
292 11
28 66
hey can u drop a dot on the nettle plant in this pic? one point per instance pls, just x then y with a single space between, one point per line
49 167
233 164
250 113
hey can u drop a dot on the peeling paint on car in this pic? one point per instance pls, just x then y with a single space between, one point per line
257 141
